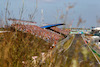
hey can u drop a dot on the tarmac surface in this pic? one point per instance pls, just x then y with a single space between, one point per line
79 55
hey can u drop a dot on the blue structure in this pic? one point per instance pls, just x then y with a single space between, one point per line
52 25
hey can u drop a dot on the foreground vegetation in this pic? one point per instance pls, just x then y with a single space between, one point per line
18 49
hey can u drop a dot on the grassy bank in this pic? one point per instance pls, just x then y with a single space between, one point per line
18 48
67 43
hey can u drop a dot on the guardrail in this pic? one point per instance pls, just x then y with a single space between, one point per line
93 52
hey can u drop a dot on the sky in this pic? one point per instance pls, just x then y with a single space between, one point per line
87 9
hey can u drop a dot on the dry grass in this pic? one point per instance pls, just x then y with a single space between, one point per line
16 47
66 45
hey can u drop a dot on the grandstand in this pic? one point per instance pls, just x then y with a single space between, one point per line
56 29
42 33
49 33
61 31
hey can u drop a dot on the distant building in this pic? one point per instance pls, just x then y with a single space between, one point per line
96 36
96 31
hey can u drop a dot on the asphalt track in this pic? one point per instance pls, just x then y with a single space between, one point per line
79 55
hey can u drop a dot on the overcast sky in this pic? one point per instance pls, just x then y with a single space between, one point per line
87 9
